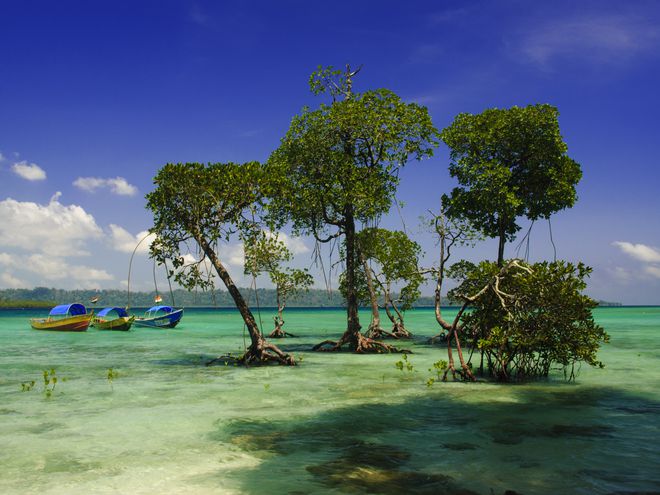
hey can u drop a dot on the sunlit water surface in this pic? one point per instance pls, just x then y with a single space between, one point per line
338 423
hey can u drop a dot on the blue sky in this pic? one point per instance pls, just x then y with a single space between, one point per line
96 96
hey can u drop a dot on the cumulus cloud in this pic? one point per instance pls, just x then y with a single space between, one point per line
653 270
8 281
57 268
122 240
648 255
640 252
294 244
56 229
117 185
29 171
599 39
232 255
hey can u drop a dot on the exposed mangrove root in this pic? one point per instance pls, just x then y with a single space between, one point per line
440 338
375 331
465 373
256 355
278 333
399 331
358 343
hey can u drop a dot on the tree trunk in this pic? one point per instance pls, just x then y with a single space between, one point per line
500 248
352 336
278 333
260 350
353 317
399 330
375 331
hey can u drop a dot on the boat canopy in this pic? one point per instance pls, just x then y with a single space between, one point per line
120 311
68 309
154 309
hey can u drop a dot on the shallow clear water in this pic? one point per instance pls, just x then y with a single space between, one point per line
338 423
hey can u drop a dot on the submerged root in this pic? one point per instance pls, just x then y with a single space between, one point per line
376 332
358 343
266 353
263 353
464 374
278 333
400 332
440 338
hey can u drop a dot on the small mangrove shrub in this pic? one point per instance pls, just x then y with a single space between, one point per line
404 363
439 369
112 374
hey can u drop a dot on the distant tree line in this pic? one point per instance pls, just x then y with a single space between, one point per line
44 296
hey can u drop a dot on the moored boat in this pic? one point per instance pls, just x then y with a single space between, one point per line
160 317
64 318
104 319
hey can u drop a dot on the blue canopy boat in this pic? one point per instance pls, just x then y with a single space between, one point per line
105 321
65 318
160 317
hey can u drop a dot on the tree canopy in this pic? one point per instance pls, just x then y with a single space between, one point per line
525 318
509 163
205 205
339 164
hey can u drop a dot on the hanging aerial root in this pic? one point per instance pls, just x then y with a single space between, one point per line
359 344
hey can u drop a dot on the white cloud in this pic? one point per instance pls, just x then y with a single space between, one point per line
294 244
232 255
124 241
602 39
653 270
2 158
6 259
640 252
56 268
117 185
29 171
8 281
89 184
621 274
54 228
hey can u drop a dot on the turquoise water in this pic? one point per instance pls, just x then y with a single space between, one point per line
338 423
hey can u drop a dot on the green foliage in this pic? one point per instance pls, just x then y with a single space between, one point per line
206 204
347 154
404 363
24 303
112 374
531 317
509 163
265 252
27 386
439 368
396 257
50 382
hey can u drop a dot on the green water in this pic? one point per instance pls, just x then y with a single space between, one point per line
338 423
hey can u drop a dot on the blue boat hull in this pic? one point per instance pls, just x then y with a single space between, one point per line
169 320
